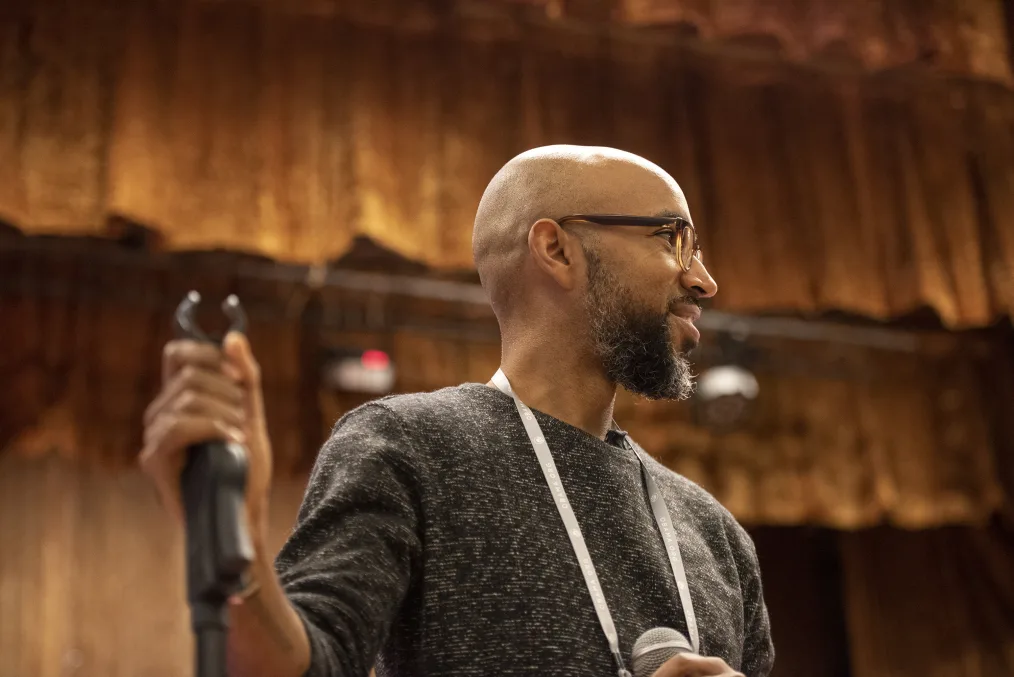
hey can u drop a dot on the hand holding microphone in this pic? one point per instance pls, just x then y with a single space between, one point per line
208 393
206 448
664 652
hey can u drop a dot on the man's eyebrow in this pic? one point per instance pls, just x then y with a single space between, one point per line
670 214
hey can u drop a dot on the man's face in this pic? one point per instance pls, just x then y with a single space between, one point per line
642 346
641 304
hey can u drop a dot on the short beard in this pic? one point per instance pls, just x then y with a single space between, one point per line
635 345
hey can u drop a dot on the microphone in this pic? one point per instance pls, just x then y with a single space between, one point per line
219 550
655 647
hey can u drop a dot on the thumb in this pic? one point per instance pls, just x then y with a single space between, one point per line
240 357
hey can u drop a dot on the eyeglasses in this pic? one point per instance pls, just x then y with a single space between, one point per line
685 237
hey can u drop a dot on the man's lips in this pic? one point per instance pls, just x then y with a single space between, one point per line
687 311
686 314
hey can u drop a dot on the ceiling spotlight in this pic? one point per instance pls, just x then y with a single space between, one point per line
725 381
724 397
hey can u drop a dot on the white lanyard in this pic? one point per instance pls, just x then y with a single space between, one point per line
658 507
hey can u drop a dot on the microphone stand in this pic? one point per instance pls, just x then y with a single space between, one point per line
219 550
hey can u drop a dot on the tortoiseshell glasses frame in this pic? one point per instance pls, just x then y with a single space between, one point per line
686 245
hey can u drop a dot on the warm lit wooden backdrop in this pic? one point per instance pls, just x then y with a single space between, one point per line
843 436
102 594
875 183
285 133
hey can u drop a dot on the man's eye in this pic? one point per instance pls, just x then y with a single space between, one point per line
669 235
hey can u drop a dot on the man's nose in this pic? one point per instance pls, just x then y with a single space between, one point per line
699 281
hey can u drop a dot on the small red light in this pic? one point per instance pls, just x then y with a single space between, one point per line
375 359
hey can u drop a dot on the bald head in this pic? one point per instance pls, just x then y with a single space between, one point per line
552 182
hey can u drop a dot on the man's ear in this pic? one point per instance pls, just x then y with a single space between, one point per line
555 252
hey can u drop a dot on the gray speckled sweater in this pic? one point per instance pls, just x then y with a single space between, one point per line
429 542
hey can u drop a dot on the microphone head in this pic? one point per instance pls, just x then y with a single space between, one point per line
655 647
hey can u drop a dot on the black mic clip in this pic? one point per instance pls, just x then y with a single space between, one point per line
616 437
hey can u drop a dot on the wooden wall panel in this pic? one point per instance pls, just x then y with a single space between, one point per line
956 37
287 134
91 572
962 37
91 585
59 60
841 435
935 603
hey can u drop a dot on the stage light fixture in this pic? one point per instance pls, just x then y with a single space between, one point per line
368 371
726 391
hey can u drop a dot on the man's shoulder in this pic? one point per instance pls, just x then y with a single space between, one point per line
443 404
429 400
408 430
414 412
698 504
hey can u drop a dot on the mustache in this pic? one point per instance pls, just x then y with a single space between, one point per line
687 300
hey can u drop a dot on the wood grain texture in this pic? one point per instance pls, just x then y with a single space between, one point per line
931 603
91 584
91 572
843 436
287 134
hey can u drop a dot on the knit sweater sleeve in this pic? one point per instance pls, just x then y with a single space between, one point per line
758 647
349 561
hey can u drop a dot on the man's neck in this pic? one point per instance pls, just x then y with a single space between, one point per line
565 385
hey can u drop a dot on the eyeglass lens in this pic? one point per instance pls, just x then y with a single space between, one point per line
688 246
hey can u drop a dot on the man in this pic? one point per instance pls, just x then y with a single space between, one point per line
501 528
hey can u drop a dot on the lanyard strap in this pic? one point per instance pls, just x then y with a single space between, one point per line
672 547
591 578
